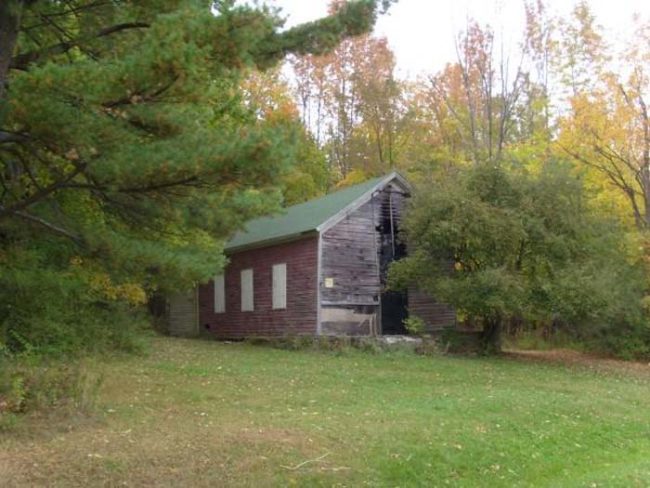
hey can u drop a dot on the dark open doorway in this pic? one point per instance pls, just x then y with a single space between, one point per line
393 303
393 312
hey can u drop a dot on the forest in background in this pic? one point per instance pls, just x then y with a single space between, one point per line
135 140
551 141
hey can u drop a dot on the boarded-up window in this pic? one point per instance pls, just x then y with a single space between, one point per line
219 294
247 290
279 286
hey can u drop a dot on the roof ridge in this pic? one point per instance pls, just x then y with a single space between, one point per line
304 217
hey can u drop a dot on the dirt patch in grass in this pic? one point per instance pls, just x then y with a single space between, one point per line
579 359
180 451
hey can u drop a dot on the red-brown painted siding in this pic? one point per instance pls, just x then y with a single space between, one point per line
299 317
434 314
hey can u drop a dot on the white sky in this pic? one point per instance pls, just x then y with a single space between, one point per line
422 32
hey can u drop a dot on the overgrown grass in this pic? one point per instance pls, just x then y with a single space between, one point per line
37 385
625 343
538 341
198 413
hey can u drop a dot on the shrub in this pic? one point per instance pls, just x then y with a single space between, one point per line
461 341
367 344
414 325
54 304
626 340
44 317
429 347
501 245
29 384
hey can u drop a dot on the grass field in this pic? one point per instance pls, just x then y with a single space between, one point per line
196 413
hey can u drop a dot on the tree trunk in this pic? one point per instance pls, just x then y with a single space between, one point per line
491 336
10 14
645 162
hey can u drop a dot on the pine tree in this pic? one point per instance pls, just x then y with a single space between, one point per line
126 149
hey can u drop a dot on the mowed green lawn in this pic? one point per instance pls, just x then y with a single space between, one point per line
196 413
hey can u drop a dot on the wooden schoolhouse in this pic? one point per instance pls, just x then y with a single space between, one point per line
318 268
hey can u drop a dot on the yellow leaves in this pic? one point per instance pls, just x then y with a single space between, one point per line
602 134
354 177
130 292
100 282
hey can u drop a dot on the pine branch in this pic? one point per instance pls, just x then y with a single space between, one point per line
71 11
140 97
22 61
47 225
42 193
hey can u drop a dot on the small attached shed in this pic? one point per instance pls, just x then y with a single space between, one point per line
318 269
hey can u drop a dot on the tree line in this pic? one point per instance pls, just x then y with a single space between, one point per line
136 137
533 168
565 91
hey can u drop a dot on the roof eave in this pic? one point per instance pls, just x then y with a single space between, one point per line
398 176
274 241
336 218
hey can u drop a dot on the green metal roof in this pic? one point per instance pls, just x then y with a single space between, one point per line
301 218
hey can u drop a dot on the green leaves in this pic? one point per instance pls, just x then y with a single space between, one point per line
522 246
127 140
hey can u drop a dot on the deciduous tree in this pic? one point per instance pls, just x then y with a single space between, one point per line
607 127
525 247
353 103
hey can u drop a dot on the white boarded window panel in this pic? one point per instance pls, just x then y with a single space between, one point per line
279 286
247 290
219 294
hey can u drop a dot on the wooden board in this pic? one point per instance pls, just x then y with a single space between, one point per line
349 260
183 314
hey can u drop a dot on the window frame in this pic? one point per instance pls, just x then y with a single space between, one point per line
219 293
247 303
279 278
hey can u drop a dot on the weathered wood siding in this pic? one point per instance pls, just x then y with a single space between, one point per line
349 257
300 314
356 254
357 251
182 317
349 264
435 315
